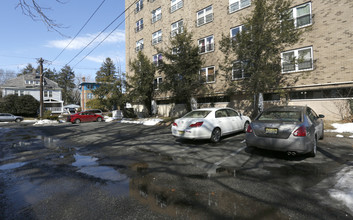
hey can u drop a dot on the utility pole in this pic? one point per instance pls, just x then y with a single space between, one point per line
41 103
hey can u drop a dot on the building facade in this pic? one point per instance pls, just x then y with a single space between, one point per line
325 72
86 89
29 84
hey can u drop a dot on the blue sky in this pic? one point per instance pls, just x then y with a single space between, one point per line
23 40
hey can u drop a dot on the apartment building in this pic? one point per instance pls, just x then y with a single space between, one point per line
86 89
325 76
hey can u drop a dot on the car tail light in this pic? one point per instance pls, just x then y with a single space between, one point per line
249 129
197 124
175 124
300 132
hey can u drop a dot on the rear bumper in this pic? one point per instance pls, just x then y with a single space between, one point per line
192 133
297 144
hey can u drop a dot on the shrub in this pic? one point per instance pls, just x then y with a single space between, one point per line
25 105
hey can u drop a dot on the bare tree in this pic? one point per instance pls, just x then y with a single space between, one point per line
37 12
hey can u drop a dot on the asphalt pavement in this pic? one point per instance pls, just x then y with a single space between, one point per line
128 171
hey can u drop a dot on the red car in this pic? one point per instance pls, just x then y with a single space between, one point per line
84 117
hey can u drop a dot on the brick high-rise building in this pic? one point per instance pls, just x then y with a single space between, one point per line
326 73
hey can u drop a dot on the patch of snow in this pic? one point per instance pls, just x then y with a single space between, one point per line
152 122
342 128
343 189
108 119
45 122
339 136
144 121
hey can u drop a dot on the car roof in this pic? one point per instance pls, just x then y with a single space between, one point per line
287 108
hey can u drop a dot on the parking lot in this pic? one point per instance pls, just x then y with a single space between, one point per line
134 171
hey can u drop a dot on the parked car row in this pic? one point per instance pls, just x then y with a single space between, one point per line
291 129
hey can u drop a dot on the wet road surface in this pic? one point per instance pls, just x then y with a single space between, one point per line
125 171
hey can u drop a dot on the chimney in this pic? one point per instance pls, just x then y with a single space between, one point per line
83 79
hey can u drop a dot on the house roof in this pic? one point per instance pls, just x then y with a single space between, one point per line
20 82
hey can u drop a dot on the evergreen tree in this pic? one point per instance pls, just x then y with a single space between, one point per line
255 52
50 74
65 81
29 69
140 84
109 93
181 67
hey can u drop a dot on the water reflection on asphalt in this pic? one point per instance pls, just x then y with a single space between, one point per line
89 165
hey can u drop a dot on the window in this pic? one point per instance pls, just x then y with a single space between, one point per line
175 5
89 95
205 16
139 25
236 5
236 30
206 44
156 15
157 82
37 82
207 75
139 6
301 15
238 71
297 60
177 28
322 94
272 97
157 37
50 94
22 92
157 59
139 45
175 51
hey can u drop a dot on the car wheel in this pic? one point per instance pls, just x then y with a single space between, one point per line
216 135
313 151
77 121
322 135
18 120
246 126
99 119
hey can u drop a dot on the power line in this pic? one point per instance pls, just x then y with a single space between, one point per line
100 43
102 32
79 30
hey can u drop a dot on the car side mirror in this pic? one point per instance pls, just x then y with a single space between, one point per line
321 116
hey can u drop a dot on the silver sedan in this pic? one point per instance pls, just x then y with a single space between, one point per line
292 129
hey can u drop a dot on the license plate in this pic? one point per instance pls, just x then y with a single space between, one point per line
181 132
271 130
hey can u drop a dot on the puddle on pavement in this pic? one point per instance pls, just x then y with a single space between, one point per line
89 165
10 166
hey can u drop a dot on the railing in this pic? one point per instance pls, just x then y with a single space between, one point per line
53 109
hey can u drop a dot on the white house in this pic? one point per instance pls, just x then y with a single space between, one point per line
29 84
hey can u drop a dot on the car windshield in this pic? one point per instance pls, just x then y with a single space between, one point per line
197 114
292 116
